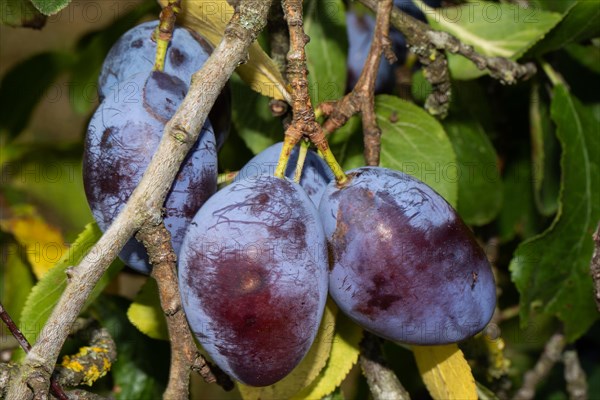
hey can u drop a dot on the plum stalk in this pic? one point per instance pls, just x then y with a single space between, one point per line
164 32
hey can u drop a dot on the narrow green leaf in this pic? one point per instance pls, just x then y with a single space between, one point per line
414 142
493 29
47 291
21 13
545 154
138 373
16 280
50 7
479 182
252 117
326 53
24 85
588 56
563 288
580 21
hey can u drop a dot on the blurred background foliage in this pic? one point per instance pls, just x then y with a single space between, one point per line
520 163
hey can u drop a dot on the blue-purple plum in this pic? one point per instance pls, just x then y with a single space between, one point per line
253 278
360 29
134 53
315 173
404 265
122 137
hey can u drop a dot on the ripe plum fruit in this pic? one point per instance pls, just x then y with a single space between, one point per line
253 277
360 29
133 54
315 173
404 265
122 137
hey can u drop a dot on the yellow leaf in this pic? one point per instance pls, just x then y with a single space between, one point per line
209 18
44 244
306 372
146 314
445 372
344 354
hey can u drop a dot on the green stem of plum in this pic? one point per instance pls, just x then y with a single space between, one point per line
284 157
301 159
164 32
555 77
338 172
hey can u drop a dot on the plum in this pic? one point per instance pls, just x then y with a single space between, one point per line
134 53
315 173
404 265
360 29
122 137
253 277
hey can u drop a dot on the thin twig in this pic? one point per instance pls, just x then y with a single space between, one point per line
147 200
575 376
595 266
428 43
362 99
550 356
55 388
185 356
303 123
383 382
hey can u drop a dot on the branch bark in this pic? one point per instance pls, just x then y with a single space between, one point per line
595 266
147 199
550 356
362 97
575 376
383 382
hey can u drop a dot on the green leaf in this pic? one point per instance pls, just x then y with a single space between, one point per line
545 154
141 369
414 142
493 29
518 216
551 270
47 291
23 86
580 21
588 56
146 314
252 117
344 354
21 13
326 53
479 182
16 280
50 7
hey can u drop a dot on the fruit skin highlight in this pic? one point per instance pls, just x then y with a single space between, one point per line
404 265
253 278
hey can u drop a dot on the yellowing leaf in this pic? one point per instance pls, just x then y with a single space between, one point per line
445 372
146 314
344 354
209 18
306 372
43 243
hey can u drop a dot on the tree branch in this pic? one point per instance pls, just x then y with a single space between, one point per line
575 376
383 382
147 199
428 44
551 354
185 356
362 97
